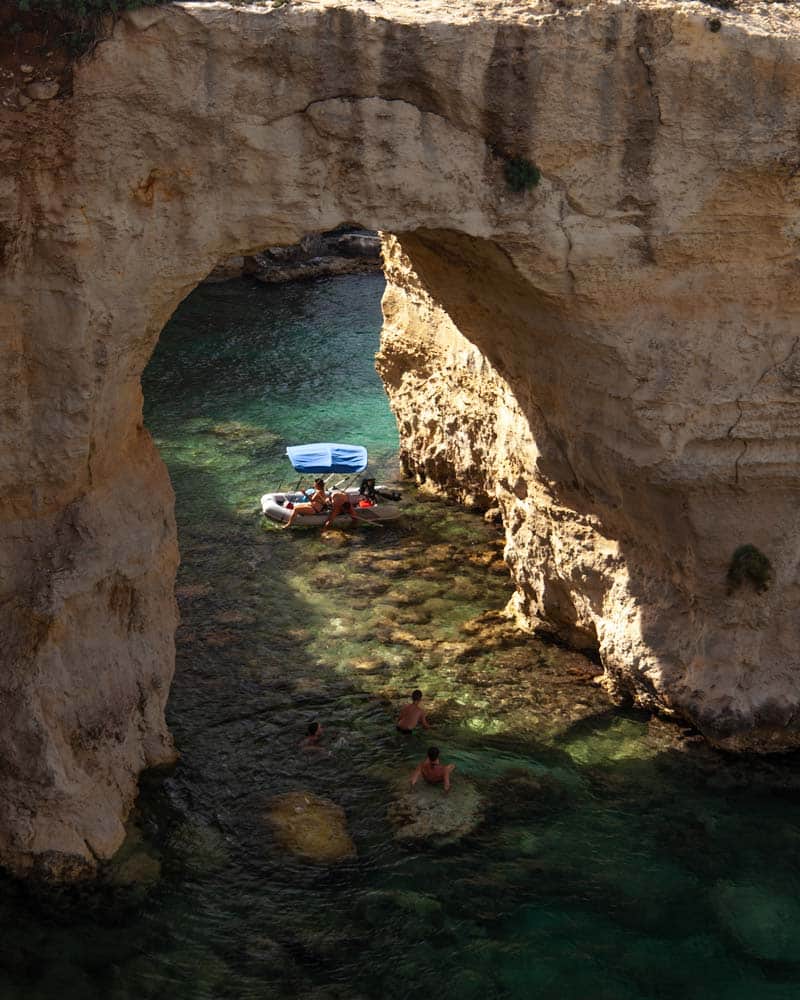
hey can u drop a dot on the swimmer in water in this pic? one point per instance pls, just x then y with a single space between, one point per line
412 715
313 737
433 770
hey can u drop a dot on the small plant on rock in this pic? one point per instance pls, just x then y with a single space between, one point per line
520 173
749 565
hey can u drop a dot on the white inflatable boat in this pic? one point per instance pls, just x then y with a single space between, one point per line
368 502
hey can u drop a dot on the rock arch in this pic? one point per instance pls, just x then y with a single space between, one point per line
612 353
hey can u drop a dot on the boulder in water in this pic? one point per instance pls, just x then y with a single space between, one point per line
765 923
310 827
427 814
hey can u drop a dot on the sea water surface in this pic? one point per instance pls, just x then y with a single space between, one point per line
616 856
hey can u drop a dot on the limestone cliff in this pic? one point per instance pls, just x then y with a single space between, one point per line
621 338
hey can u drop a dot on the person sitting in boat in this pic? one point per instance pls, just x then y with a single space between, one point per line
317 503
340 503
366 490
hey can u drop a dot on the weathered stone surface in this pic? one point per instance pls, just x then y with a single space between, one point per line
311 827
42 90
427 814
610 358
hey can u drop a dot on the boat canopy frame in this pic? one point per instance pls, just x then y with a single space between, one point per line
327 458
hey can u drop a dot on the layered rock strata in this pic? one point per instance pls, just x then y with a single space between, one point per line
622 336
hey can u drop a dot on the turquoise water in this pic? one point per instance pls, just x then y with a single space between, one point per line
611 855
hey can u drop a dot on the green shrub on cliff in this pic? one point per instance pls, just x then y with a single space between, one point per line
749 565
521 174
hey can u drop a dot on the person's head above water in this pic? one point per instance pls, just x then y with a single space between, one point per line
433 754
314 728
416 695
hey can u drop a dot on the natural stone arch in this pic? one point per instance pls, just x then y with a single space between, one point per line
641 277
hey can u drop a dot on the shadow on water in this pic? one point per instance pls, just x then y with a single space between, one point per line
613 855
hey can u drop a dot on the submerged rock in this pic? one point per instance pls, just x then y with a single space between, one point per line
428 814
765 923
418 913
413 616
368 666
237 432
520 794
136 863
334 538
198 848
139 869
311 827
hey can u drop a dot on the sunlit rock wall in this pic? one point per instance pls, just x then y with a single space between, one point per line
635 320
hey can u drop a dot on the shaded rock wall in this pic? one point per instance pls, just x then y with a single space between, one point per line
317 255
637 311
615 544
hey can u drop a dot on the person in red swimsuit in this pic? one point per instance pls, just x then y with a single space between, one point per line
433 770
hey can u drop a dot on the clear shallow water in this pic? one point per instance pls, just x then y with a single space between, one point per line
617 858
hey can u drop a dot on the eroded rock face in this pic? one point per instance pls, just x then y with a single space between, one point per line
615 539
628 329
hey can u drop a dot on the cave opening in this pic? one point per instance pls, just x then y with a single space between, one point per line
271 350
242 369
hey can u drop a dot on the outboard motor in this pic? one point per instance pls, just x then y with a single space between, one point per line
368 491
